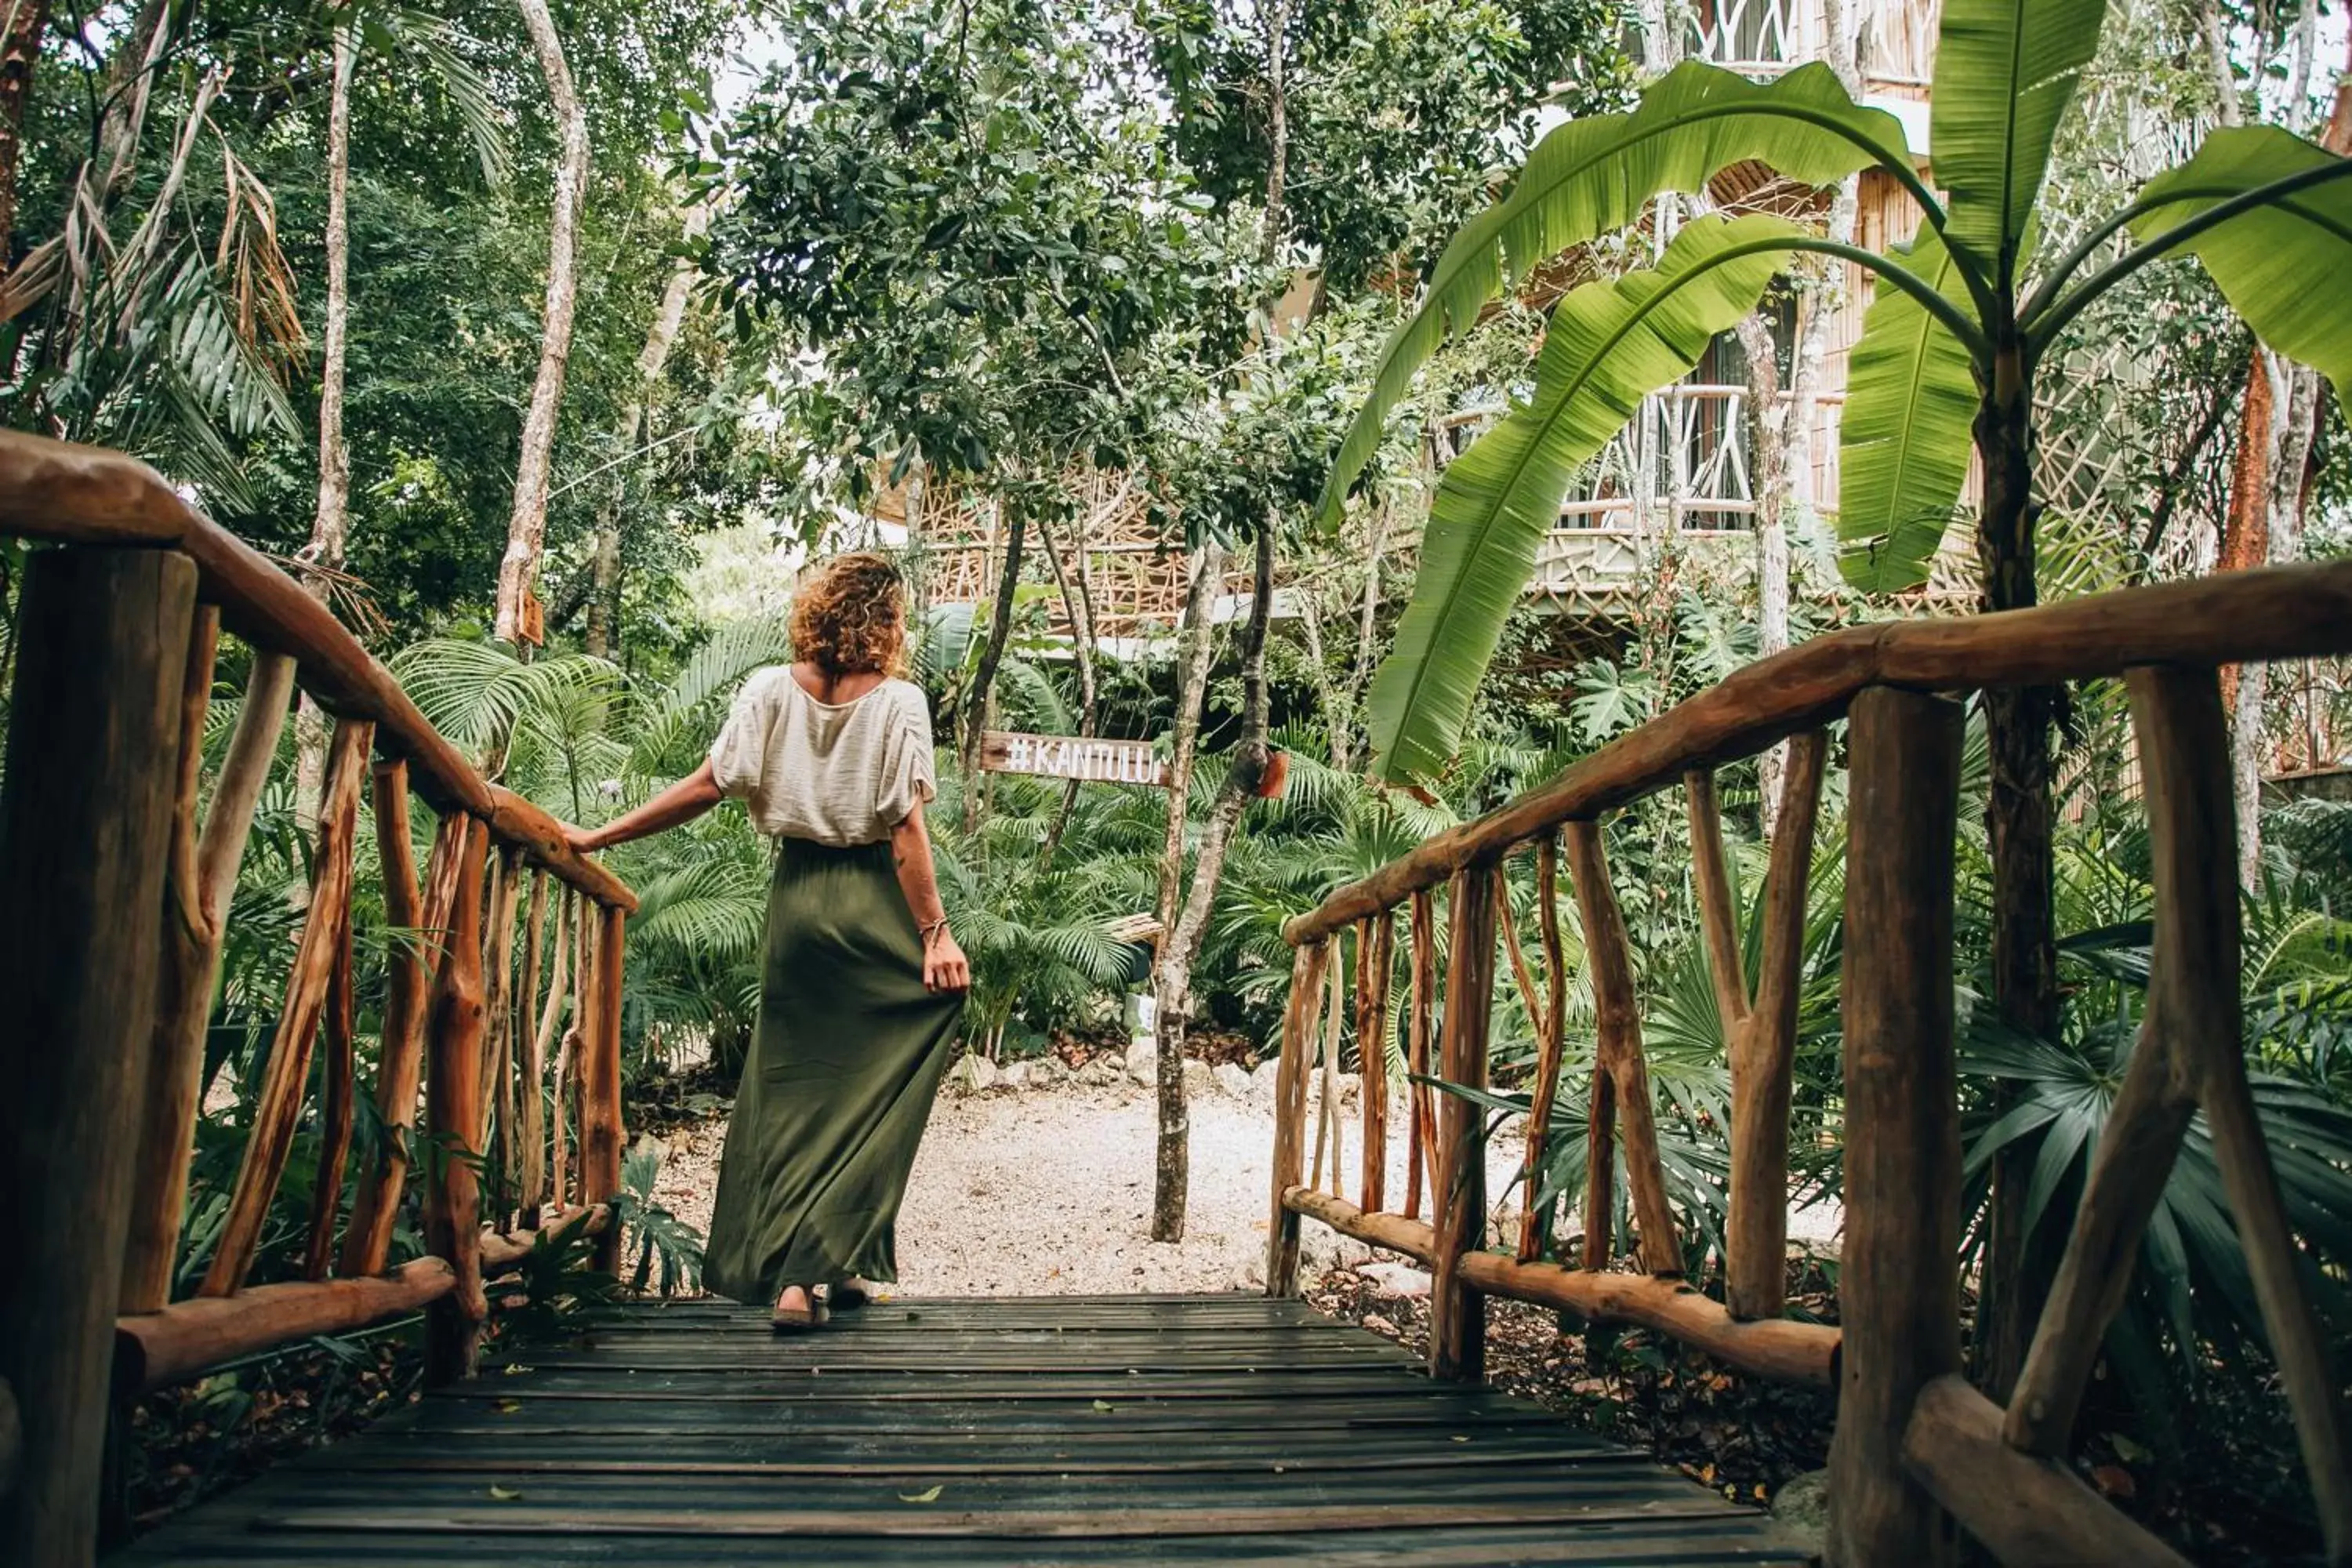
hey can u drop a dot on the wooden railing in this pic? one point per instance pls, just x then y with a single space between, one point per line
1914 1439
113 907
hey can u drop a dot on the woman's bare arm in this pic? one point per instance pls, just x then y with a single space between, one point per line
945 968
682 802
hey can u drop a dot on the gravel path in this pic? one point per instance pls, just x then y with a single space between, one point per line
1048 1191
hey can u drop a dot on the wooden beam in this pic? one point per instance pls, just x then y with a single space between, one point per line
1898 1292
85 831
2271 613
497 1007
2029 1512
601 1132
1718 920
1457 1311
1375 956
1609 960
1420 1031
1298 1019
453 1091
156 1350
2192 998
1764 1054
1776 1347
400 1064
279 1109
2185 755
201 875
337 1072
1551 1031
530 1127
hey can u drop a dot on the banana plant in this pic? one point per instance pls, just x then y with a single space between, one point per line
1961 317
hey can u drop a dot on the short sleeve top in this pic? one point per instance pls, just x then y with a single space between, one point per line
840 774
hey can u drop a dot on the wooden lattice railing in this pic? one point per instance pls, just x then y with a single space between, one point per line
1914 1441
114 906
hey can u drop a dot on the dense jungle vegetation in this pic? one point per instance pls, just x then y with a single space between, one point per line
545 344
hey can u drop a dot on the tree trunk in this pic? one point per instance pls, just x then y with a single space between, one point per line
604 597
2018 722
992 655
1777 448
1077 604
330 523
1171 981
518 617
20 51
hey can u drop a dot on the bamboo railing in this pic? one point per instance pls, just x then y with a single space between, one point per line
114 912
1916 1445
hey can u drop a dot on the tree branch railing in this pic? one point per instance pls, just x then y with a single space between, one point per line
114 897
1914 1445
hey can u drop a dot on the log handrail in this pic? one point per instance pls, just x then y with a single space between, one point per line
61 493
1915 1448
2272 612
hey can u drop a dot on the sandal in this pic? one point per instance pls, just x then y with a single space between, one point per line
798 1320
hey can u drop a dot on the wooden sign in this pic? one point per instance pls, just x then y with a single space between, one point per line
1070 757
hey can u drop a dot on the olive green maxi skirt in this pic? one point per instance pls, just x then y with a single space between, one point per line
842 1069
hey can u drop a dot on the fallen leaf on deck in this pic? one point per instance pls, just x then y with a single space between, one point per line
500 1494
930 1496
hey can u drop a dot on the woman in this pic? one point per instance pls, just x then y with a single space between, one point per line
863 979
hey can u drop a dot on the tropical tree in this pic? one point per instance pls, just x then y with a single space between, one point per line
1963 316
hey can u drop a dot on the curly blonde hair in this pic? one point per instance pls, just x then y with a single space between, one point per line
850 616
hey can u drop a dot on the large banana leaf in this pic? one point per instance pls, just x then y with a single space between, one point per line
1608 345
1591 177
1902 443
2280 263
2005 72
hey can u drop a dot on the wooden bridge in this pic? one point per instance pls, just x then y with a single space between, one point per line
1052 1431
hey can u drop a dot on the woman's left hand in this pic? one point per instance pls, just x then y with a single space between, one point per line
945 968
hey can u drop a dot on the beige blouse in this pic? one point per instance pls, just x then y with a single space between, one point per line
834 773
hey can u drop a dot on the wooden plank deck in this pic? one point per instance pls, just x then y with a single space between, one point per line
1064 1430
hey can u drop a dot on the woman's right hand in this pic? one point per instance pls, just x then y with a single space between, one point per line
945 968
583 840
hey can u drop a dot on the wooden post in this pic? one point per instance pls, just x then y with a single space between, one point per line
1718 916
1899 1292
530 1127
499 1008
601 1132
201 875
1420 1030
1375 953
1764 1054
1617 1016
279 1110
337 1072
1457 1314
400 1067
1298 1020
85 831
1534 1221
453 1097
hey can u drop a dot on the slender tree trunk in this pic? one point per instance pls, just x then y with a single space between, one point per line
2018 722
1171 978
20 51
991 656
600 636
1071 583
1772 417
519 617
1181 946
330 522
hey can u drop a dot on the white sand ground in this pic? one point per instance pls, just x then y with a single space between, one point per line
1047 1191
